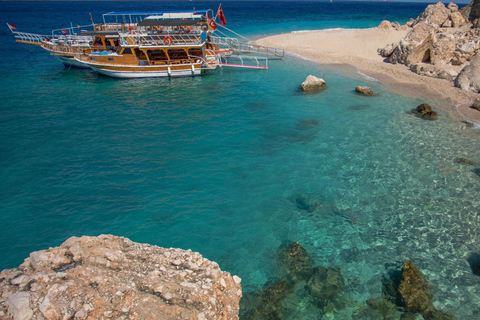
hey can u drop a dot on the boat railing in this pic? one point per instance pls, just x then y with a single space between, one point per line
239 46
162 39
32 38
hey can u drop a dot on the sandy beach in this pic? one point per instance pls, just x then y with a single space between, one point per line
358 48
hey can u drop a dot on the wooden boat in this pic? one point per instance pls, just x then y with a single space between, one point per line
152 44
160 45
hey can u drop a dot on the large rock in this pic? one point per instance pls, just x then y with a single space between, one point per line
472 12
312 84
412 292
385 25
469 78
113 277
364 90
434 14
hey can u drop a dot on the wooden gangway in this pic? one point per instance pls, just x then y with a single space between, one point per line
246 47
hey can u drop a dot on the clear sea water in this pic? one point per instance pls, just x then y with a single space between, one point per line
214 163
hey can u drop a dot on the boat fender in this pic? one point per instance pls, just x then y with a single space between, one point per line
167 39
131 30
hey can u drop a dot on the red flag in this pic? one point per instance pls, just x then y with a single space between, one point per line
64 31
46 39
12 26
221 16
213 25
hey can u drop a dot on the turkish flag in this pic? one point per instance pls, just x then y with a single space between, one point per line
221 16
64 31
213 24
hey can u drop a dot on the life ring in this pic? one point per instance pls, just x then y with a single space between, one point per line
131 30
167 39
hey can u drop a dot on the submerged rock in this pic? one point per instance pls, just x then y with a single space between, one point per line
425 111
268 303
113 277
364 90
303 203
414 290
313 84
465 161
295 260
474 261
325 283
410 290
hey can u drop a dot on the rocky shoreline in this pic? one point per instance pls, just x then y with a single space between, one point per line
432 57
108 277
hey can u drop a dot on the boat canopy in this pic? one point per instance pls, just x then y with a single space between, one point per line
98 33
147 23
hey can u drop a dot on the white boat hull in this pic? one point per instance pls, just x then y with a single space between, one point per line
71 62
148 74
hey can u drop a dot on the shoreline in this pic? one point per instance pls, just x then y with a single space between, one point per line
355 51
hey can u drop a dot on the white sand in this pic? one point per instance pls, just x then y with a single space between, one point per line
358 48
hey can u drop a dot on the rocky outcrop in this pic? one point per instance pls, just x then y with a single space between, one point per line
469 78
439 45
109 277
434 15
472 13
364 90
313 84
412 292
425 111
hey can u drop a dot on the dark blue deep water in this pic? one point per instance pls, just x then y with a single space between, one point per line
218 163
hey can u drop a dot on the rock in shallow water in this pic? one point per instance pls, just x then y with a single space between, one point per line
325 283
364 90
295 260
113 277
313 84
425 111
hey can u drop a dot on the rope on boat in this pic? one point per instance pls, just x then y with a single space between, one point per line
232 32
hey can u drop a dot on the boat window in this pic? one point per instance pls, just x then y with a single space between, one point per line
196 52
98 42
111 59
92 58
177 54
127 51
157 55
140 54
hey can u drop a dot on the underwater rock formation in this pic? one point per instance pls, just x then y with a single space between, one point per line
269 302
325 284
412 292
296 261
112 277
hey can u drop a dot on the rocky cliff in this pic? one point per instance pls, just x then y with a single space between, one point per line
109 277
440 44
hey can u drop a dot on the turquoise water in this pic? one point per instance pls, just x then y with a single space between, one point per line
215 163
